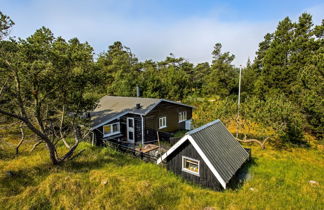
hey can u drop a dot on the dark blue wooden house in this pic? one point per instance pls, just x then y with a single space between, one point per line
136 120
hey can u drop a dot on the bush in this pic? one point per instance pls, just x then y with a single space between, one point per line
276 112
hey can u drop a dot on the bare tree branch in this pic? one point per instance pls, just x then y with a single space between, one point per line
21 139
77 134
4 86
61 128
76 155
35 145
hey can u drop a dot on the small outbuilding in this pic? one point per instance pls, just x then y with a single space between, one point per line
209 156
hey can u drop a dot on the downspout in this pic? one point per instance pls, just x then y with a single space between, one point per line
142 130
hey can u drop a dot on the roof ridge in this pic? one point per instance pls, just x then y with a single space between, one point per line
203 127
131 97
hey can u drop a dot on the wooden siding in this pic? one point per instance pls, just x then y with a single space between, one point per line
151 123
171 112
98 133
206 178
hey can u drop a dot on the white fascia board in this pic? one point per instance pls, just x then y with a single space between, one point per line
174 147
208 163
200 152
113 118
157 103
172 102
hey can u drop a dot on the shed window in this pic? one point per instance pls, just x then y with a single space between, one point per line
182 116
111 129
190 165
162 122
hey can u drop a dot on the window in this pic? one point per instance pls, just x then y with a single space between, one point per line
182 116
130 122
162 122
190 165
111 129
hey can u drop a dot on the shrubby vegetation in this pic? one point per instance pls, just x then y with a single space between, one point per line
48 82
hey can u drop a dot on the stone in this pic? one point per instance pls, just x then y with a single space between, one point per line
313 183
104 182
10 173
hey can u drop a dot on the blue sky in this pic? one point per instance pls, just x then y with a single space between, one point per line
153 29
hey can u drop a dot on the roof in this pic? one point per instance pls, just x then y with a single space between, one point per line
112 107
222 153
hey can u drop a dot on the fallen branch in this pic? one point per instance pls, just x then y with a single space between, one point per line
261 143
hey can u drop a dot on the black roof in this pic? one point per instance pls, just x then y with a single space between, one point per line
224 152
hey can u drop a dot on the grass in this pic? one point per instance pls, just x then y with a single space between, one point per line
101 178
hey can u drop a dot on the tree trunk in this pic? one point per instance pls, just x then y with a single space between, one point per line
52 153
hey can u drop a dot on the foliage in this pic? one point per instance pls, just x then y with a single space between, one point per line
290 62
46 80
222 79
119 69
5 24
277 113
209 109
282 86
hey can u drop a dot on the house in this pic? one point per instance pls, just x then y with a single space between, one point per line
136 120
209 156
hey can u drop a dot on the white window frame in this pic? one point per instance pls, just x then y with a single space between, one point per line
111 128
187 170
182 116
164 122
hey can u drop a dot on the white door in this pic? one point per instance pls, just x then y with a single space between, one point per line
130 129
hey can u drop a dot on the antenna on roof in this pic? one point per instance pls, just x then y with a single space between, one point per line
138 91
238 103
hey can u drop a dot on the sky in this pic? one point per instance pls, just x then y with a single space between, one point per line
153 29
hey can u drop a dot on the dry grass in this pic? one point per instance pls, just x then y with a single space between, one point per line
102 178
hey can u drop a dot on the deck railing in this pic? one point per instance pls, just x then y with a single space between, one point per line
136 153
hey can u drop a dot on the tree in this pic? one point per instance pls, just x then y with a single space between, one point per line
5 24
222 79
48 79
199 73
150 80
309 87
174 77
289 62
120 68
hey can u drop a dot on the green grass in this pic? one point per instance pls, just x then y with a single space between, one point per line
101 178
